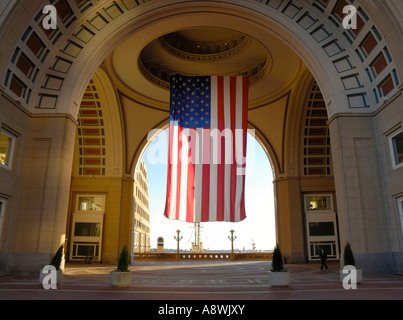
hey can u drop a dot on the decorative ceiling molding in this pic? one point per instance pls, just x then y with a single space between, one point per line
160 76
204 51
39 74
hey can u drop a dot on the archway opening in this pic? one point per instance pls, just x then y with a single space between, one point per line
255 233
274 118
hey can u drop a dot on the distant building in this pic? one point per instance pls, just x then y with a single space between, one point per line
141 225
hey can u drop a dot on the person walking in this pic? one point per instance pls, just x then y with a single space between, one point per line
323 258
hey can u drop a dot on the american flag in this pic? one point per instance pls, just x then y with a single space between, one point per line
207 148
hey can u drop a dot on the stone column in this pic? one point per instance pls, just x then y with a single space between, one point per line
289 219
360 193
41 215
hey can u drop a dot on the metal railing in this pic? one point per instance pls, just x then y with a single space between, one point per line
171 256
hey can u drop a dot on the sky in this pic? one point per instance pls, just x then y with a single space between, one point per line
257 227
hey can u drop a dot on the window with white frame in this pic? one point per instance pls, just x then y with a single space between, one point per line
91 203
7 141
318 203
396 148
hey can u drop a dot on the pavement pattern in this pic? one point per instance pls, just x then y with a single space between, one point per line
201 281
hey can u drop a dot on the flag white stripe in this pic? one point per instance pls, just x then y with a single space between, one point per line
228 150
184 175
174 174
213 166
198 174
238 146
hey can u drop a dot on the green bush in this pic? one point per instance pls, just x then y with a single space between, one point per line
348 255
123 263
277 260
57 258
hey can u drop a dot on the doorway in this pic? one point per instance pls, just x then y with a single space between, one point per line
321 226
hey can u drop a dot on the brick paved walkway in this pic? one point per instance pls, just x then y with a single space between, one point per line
201 280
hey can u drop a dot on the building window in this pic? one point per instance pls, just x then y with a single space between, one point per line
396 148
87 229
91 203
7 141
2 210
318 203
321 228
317 149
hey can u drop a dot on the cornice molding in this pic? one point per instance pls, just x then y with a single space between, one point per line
198 50
51 114
384 106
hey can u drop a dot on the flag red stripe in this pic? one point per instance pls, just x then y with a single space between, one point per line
191 177
221 146
178 174
233 89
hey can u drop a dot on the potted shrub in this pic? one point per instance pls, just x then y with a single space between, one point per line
348 258
121 276
55 262
278 276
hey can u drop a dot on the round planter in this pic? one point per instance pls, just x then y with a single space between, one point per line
120 279
359 275
279 279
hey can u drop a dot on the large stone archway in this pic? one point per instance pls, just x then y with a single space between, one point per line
45 75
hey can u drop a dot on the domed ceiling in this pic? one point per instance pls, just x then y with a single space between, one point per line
193 52
145 69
